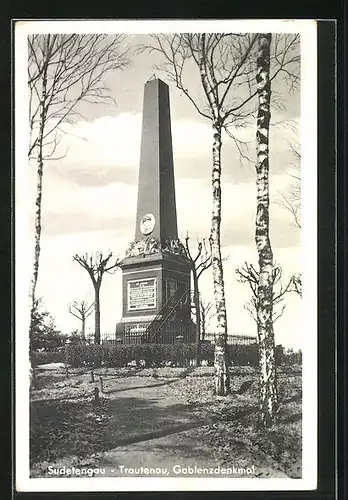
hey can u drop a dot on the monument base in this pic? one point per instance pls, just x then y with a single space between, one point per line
156 300
145 332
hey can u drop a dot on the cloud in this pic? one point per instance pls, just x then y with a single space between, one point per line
61 196
194 202
107 150
54 223
96 175
104 141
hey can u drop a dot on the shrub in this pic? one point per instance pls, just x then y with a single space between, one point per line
243 355
79 354
43 333
292 358
43 358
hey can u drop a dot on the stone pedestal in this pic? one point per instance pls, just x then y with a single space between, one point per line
156 300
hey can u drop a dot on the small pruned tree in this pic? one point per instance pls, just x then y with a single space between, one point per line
206 307
64 71
249 274
199 263
81 310
97 265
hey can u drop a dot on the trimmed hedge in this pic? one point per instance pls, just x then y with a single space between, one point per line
153 355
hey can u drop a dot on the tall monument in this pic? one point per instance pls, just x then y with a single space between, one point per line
156 270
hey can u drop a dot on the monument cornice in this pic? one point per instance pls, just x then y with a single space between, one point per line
148 260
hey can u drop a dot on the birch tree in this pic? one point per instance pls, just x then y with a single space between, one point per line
64 72
264 307
81 310
199 263
219 60
225 67
97 265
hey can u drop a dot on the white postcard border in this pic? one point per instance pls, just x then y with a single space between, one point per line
307 30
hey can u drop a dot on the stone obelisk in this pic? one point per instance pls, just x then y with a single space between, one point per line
156 271
156 187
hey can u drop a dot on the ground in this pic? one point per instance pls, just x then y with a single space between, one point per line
160 417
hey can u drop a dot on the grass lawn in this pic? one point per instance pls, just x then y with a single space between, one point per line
139 404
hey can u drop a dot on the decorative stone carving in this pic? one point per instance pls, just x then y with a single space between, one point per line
148 246
174 247
142 247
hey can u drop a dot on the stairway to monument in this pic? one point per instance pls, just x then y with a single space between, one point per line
165 325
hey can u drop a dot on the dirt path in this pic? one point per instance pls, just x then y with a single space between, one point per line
145 427
173 450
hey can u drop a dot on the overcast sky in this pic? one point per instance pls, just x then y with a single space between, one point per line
89 201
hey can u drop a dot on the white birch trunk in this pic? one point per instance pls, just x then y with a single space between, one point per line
38 200
264 310
222 379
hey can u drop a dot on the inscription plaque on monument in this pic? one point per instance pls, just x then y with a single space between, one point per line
141 294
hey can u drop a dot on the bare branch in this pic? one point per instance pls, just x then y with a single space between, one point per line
280 313
297 284
248 274
203 258
64 70
250 307
72 68
96 265
291 201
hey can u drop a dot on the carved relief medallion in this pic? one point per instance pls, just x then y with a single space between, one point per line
147 224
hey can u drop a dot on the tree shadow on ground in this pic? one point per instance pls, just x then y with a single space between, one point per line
170 381
144 386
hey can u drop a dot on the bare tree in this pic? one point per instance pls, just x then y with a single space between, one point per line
206 307
81 310
225 64
64 71
200 263
248 274
97 265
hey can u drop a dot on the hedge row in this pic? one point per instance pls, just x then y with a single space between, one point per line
43 358
153 354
